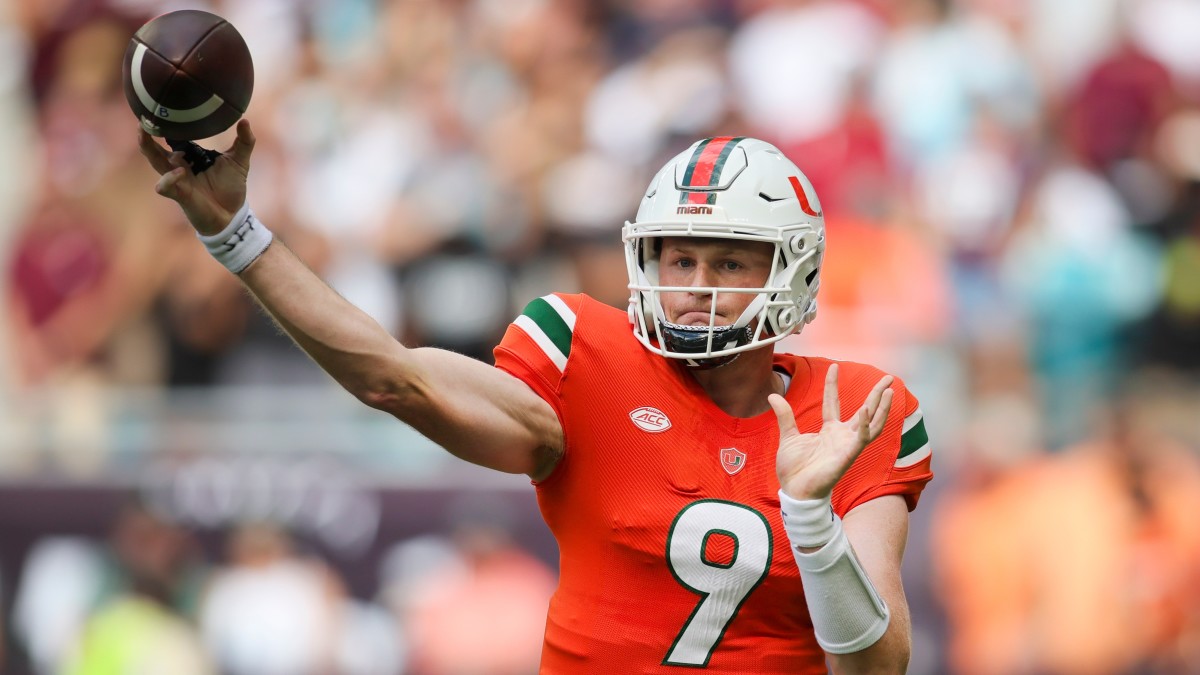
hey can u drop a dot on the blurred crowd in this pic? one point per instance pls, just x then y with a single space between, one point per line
148 600
1012 195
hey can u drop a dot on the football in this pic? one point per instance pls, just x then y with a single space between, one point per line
188 75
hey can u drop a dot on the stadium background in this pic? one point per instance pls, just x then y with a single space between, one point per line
1012 193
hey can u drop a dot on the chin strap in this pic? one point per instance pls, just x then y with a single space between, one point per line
709 364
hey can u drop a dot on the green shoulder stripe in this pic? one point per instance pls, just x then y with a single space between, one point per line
914 439
555 319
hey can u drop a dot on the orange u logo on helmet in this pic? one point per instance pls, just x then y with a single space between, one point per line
802 195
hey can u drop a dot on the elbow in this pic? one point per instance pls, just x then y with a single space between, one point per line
386 382
388 396
379 398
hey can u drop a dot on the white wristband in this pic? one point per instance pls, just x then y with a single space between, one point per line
809 523
241 242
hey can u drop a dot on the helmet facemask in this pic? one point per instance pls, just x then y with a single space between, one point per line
780 307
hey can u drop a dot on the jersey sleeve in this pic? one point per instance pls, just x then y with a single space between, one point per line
899 461
537 345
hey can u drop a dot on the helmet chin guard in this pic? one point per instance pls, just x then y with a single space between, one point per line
727 188
696 339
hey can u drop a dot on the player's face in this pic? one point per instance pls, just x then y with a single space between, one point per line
703 263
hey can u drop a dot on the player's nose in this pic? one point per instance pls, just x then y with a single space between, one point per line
705 278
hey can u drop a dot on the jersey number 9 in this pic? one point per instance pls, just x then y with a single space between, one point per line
722 586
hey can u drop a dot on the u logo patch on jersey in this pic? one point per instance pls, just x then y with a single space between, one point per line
733 460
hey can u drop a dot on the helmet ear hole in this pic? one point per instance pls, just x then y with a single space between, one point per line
785 318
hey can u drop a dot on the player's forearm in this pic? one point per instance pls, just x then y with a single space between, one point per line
878 531
346 342
889 655
851 574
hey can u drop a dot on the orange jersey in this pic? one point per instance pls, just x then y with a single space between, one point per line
666 509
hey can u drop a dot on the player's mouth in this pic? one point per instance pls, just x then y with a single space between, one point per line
699 318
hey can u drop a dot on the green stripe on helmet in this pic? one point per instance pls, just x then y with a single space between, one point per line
714 175
691 168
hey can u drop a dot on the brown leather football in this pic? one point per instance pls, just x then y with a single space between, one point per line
188 75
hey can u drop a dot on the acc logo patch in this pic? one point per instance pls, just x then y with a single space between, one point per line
651 420
733 460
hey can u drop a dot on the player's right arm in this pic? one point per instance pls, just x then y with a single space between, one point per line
477 412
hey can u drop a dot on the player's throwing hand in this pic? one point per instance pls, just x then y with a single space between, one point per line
809 465
208 199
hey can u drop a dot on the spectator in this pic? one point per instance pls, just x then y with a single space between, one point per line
487 616
142 627
270 611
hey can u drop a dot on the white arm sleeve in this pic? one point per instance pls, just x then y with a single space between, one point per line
848 613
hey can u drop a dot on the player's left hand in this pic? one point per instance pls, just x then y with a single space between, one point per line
809 465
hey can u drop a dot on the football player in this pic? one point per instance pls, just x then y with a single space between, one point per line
717 505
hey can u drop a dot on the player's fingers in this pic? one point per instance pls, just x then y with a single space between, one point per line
876 394
864 415
831 408
168 184
177 160
243 144
881 414
153 152
860 423
783 415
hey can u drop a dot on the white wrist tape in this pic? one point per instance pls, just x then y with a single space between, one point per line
241 242
847 612
808 522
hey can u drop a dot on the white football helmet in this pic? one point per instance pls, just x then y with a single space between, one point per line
727 188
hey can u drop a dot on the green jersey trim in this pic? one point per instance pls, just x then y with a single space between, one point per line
550 323
914 441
